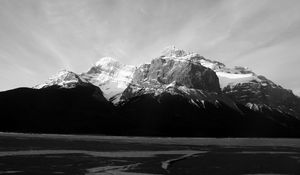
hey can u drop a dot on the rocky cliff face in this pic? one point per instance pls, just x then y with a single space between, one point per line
180 74
262 93
187 73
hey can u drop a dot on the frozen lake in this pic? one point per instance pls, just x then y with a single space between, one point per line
100 155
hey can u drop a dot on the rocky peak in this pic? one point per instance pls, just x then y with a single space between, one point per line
263 92
187 73
64 78
172 51
65 75
180 55
177 70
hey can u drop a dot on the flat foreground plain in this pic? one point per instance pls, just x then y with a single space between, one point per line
100 155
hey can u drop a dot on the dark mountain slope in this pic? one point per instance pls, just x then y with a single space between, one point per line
81 109
173 115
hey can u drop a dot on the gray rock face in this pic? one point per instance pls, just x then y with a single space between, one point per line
188 73
177 74
265 93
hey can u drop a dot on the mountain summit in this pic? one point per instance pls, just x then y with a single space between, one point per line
178 93
111 76
191 71
64 78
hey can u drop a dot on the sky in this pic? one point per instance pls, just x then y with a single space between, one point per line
38 38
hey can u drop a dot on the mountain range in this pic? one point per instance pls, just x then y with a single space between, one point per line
176 94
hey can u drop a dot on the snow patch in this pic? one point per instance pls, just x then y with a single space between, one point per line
231 79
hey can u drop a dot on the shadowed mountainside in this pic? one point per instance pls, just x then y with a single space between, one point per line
84 110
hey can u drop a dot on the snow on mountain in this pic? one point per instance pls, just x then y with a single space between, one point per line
64 78
196 97
230 79
166 70
172 51
240 84
111 76
179 72
227 76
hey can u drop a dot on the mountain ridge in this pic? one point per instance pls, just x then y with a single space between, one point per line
176 65
176 94
237 72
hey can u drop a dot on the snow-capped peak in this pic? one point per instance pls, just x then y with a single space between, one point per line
64 78
107 62
172 51
227 76
64 75
110 75
180 55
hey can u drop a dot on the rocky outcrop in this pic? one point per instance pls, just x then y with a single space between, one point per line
188 73
64 79
263 93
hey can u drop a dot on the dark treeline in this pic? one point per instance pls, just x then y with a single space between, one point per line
84 110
